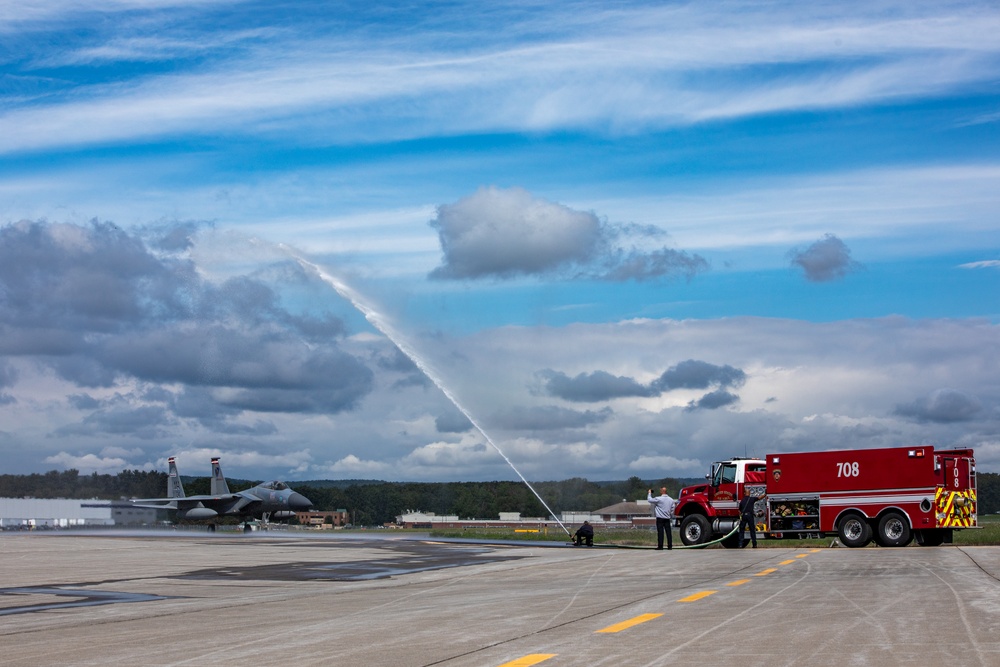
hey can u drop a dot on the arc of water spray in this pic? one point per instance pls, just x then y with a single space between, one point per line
380 323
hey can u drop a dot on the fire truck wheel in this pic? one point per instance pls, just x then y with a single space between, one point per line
893 530
854 531
695 529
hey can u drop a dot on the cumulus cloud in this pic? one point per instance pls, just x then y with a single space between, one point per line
354 465
451 455
713 400
245 458
941 406
689 374
548 418
695 374
498 233
101 308
591 387
825 260
83 401
8 377
671 465
87 463
452 422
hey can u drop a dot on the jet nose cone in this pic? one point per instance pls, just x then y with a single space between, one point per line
298 502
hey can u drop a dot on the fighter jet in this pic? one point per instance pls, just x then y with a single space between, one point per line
270 500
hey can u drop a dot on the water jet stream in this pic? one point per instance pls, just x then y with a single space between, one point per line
380 323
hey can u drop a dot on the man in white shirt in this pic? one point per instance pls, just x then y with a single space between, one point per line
663 507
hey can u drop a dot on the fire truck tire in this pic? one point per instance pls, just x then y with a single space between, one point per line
854 531
695 529
929 538
893 530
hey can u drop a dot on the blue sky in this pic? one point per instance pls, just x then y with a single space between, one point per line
628 239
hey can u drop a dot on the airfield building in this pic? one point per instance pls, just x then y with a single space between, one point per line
51 513
620 515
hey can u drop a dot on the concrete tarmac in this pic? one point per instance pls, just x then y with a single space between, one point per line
294 600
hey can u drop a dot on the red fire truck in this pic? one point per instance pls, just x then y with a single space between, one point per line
892 495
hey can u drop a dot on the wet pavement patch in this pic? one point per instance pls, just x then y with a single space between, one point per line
411 559
79 598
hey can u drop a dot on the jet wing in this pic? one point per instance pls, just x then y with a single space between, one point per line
246 503
155 503
220 503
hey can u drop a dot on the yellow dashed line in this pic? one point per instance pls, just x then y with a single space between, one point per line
535 658
529 660
618 627
697 596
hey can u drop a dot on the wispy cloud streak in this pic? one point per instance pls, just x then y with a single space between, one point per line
655 67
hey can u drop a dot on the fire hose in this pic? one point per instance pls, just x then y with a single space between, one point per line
689 546
708 544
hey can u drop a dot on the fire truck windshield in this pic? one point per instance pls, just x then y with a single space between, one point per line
725 473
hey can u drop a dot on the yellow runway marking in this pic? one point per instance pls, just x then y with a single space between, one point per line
738 582
802 555
618 627
814 551
696 596
767 571
529 660
786 562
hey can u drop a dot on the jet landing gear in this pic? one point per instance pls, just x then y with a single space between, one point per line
257 524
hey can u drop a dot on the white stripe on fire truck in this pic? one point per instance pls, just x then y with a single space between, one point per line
867 500
926 491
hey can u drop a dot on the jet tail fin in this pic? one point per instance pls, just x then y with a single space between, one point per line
219 486
174 487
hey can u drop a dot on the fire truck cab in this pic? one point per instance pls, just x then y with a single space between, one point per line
710 510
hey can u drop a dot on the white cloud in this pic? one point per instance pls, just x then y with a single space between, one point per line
88 463
648 62
809 386
351 465
670 465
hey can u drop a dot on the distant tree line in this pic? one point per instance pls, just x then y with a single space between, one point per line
71 484
988 492
374 502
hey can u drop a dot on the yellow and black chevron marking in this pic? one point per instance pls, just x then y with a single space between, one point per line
955 509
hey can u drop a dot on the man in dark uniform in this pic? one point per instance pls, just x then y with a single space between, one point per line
747 518
584 533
